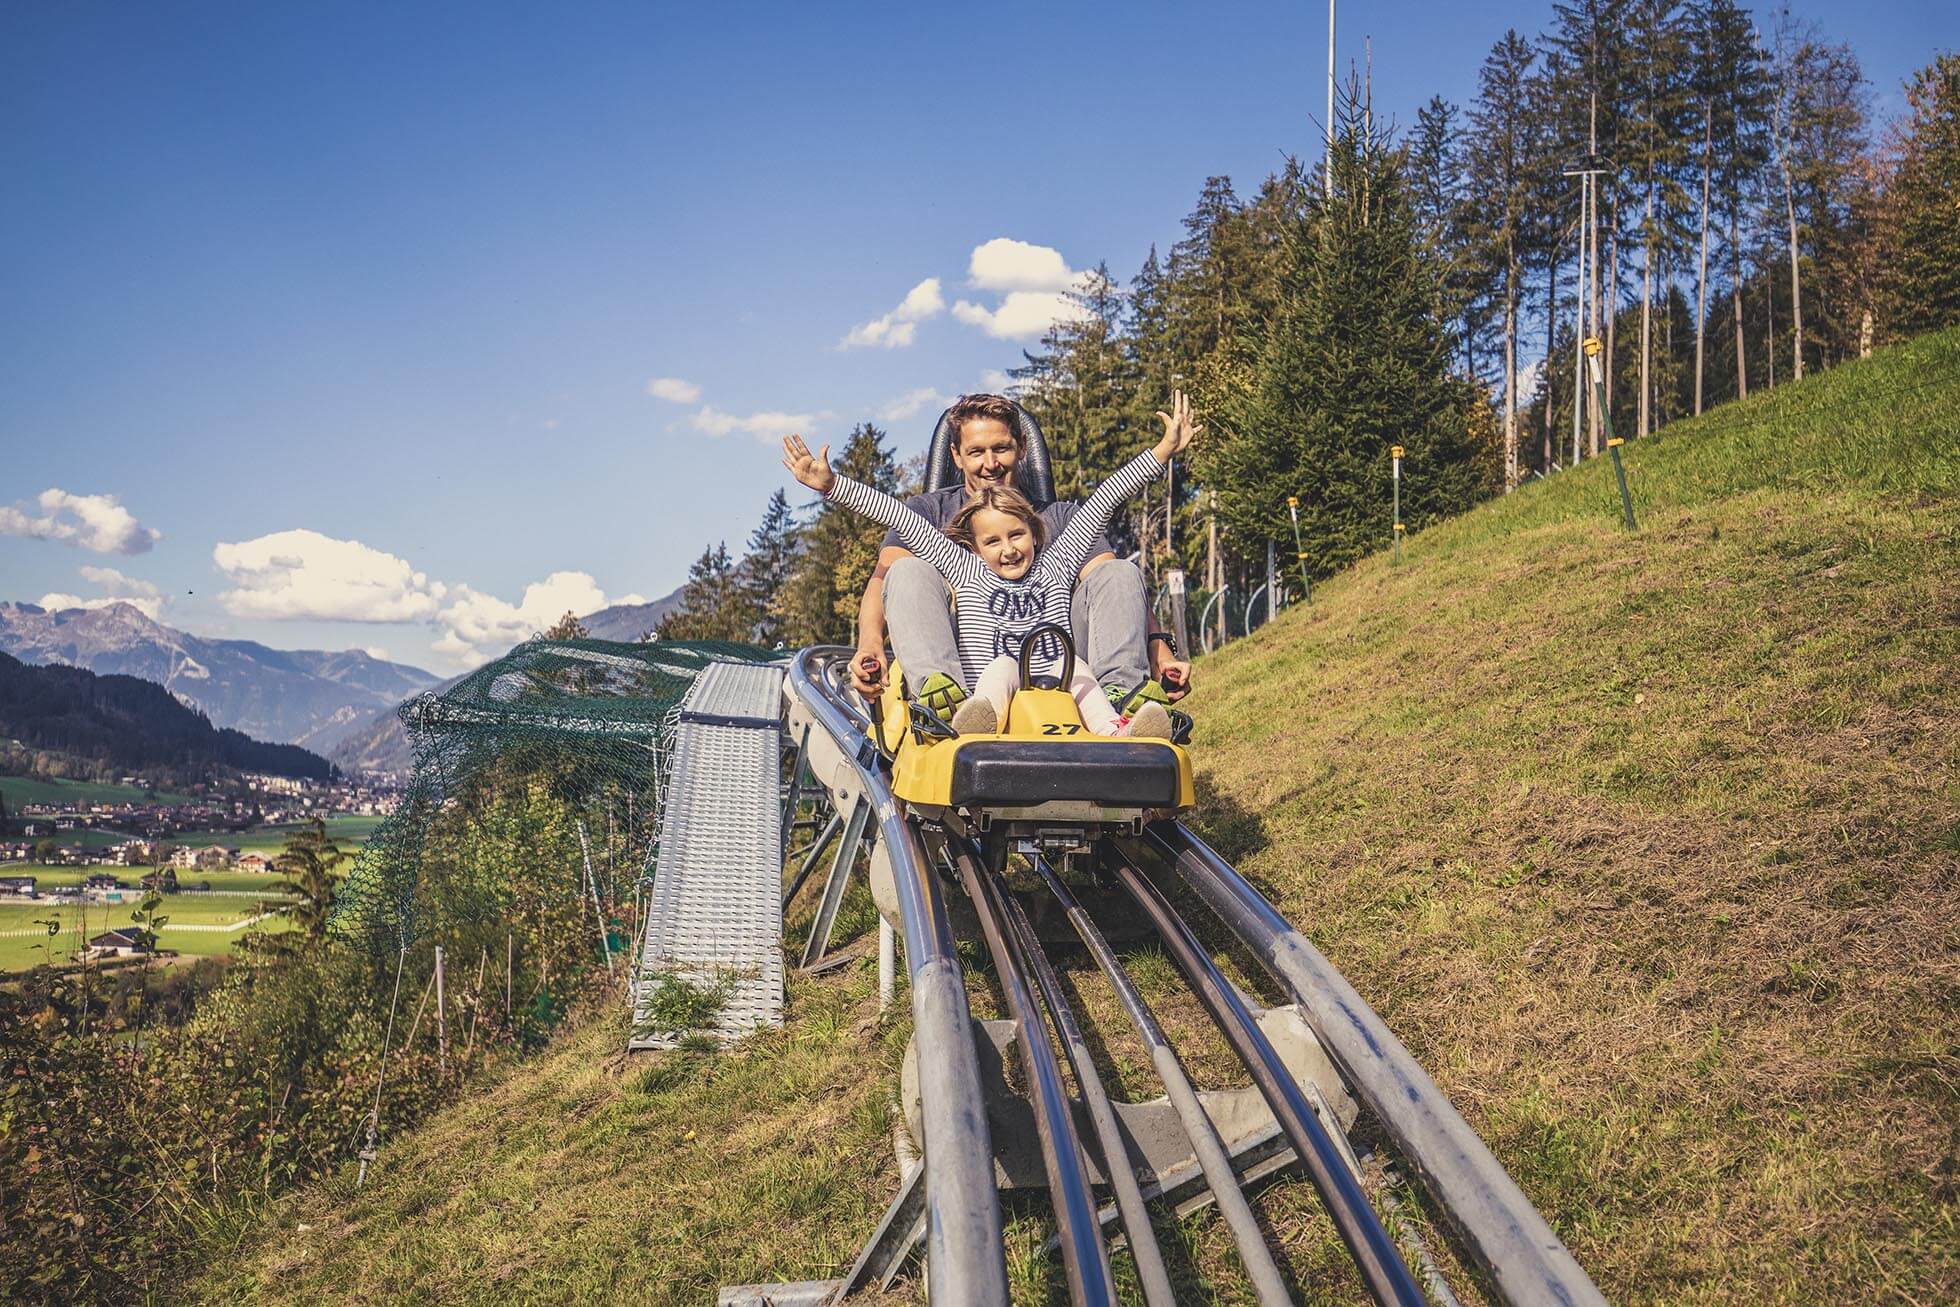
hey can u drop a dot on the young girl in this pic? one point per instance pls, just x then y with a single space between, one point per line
1012 580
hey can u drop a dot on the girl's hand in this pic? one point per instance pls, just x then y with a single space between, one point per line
813 470
1178 428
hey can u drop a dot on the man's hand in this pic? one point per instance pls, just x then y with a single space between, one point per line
1178 428
1173 675
813 470
868 672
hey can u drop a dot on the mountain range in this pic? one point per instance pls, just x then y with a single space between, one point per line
340 704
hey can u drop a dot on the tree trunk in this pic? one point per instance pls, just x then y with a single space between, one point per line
1701 269
1510 369
1612 306
1735 298
1551 334
1647 315
1796 284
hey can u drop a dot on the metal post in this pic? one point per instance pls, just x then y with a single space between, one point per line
840 875
442 1016
1272 582
1180 627
1613 442
592 884
1299 550
1395 453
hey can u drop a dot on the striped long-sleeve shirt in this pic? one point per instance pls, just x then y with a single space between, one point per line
996 614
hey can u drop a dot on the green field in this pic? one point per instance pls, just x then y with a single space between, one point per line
18 952
33 789
47 877
350 831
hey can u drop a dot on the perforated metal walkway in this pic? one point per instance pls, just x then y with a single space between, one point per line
715 917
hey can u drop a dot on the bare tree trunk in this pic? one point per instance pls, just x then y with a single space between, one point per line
1735 298
1701 270
1612 305
1510 368
1551 331
1769 327
1647 315
1796 284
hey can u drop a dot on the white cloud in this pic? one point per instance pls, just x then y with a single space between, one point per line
993 379
377 653
895 329
117 582
912 403
96 523
1023 315
673 390
477 625
1010 265
303 574
766 427
630 598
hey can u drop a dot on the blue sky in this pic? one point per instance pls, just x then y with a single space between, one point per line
352 311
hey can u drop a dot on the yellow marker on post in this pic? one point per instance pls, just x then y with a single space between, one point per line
1395 455
1300 550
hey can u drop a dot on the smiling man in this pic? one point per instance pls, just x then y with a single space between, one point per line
1112 625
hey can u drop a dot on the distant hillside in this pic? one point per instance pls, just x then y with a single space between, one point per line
630 622
123 724
304 697
378 744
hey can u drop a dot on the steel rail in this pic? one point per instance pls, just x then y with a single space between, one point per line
1499 1227
1368 1242
1267 1282
965 1255
1085 1258
1117 1167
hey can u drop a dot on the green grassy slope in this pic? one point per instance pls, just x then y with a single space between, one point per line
1649 846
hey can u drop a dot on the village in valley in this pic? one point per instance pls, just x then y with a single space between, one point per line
77 859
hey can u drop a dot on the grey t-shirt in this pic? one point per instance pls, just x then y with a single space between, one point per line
939 506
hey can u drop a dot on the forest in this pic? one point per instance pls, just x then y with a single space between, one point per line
66 721
1747 221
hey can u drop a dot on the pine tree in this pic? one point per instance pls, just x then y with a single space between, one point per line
1504 159
766 568
1356 361
1436 166
710 605
1657 134
1923 241
309 865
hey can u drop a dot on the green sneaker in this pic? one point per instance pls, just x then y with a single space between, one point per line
1126 701
941 693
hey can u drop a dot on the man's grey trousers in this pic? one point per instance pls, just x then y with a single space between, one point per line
1108 617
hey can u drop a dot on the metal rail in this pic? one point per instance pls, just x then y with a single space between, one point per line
1085 1258
1267 1282
1374 1253
964 1252
1500 1228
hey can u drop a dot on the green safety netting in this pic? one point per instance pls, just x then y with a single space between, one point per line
535 795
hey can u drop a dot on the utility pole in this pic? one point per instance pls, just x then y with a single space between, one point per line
1327 167
1587 170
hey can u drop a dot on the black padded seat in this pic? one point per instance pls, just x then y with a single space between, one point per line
1032 475
1024 773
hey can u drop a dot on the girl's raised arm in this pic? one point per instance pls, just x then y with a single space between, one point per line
920 536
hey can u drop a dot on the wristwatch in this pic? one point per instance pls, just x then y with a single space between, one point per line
1168 639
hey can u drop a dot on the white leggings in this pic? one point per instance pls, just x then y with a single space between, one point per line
1001 677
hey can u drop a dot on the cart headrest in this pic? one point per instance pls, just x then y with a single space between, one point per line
1032 475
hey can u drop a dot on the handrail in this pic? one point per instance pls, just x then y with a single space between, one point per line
1502 1230
964 1250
